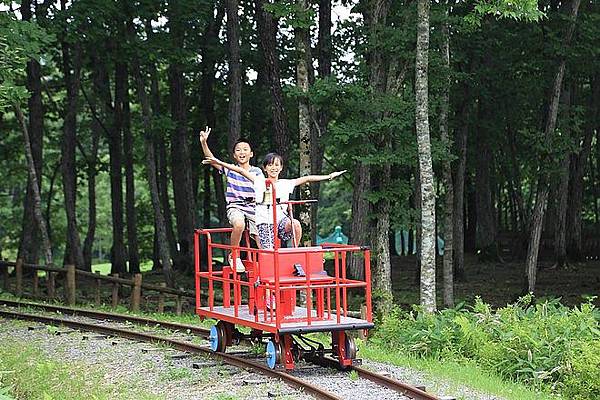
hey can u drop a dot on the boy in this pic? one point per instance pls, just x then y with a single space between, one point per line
239 193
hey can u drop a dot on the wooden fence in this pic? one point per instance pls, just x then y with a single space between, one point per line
71 278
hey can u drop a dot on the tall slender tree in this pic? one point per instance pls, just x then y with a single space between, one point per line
427 192
71 71
448 271
541 196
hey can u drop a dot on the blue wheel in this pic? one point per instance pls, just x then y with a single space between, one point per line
213 338
273 354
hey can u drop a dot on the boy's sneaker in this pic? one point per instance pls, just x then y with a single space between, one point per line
239 265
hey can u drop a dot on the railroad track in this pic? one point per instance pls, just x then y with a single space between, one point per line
408 391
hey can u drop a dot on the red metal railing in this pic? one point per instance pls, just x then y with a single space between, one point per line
269 272
280 285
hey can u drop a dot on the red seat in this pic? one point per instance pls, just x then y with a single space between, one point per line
311 263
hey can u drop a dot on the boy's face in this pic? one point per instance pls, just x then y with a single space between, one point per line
273 170
242 153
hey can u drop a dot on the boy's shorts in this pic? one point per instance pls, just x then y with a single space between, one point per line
234 214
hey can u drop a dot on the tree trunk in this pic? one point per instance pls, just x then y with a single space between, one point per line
71 72
30 236
208 106
92 171
162 174
234 73
542 190
130 212
159 220
427 194
115 149
267 30
562 196
458 233
447 171
579 163
361 210
185 209
303 58
37 200
316 147
485 228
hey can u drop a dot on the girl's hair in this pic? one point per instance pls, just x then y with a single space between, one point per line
270 159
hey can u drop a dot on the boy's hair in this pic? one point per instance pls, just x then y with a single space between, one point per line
241 140
270 159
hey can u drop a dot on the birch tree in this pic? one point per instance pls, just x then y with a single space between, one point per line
427 193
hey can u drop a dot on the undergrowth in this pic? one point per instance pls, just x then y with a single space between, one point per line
546 345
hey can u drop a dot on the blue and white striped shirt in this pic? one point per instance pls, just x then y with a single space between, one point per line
240 191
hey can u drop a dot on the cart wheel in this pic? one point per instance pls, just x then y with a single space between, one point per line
273 354
350 348
345 358
217 338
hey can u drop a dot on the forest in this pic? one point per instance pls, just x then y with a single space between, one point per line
474 121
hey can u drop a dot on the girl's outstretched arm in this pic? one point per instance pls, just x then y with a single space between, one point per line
316 178
216 162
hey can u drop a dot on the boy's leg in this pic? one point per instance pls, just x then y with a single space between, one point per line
238 223
253 229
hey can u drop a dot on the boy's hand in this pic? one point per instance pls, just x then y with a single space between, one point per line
336 174
211 161
204 134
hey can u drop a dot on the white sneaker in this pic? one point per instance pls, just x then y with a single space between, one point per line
239 265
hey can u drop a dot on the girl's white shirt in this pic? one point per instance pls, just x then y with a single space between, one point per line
264 198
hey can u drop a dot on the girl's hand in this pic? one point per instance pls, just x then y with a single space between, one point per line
212 161
336 174
204 134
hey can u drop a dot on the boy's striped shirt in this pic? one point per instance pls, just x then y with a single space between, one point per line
240 191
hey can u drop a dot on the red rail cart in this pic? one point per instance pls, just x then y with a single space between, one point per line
267 297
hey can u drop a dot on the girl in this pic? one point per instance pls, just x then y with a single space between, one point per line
273 165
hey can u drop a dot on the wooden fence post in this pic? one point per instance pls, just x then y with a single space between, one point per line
5 283
19 275
136 292
71 286
161 299
97 294
363 315
50 278
115 292
179 305
36 281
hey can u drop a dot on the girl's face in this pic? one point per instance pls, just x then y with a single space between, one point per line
274 169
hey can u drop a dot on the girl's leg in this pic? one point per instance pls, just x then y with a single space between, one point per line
288 231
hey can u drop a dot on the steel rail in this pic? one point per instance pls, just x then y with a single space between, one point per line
179 345
393 384
397 386
115 317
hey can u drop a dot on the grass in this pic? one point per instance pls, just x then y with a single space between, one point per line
455 374
104 268
25 373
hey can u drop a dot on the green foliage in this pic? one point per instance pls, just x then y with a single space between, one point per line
19 41
526 10
546 345
291 12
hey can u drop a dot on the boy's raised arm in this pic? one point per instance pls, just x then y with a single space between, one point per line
204 143
215 162
316 178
